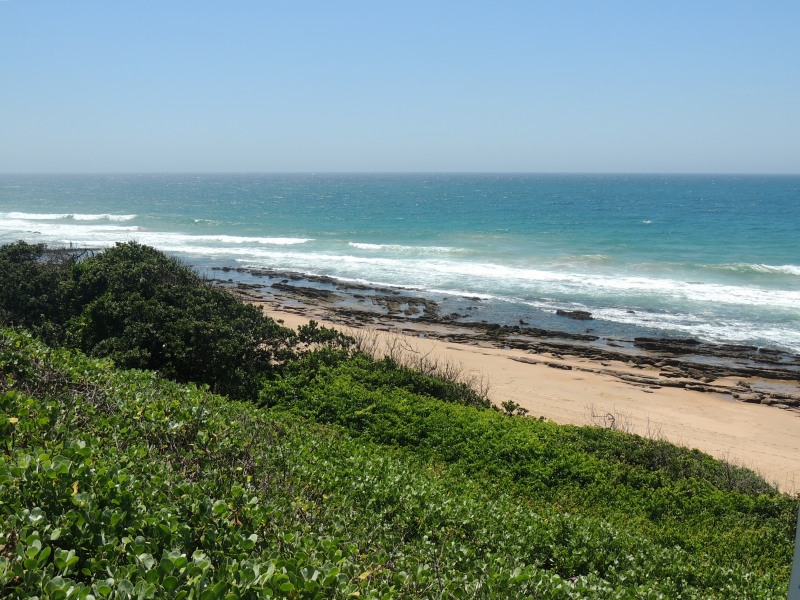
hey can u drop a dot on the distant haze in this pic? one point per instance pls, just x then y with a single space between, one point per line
256 86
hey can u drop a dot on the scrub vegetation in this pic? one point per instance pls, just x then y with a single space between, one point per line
161 440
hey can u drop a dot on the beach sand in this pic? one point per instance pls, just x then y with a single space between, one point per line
583 391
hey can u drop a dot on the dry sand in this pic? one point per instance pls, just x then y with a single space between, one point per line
763 438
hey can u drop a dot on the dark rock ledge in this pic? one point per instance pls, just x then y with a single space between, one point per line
745 373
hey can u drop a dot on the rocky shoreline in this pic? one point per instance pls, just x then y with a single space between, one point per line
740 372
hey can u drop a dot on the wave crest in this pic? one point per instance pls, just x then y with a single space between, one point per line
400 248
236 239
23 216
103 217
758 268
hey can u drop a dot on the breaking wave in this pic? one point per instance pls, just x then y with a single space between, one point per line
400 248
23 216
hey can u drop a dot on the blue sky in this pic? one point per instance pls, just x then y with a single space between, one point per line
259 86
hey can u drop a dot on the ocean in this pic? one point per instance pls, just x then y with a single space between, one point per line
712 257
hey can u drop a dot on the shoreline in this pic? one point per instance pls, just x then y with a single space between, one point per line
358 305
713 398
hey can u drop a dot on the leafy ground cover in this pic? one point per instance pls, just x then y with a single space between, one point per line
673 495
119 484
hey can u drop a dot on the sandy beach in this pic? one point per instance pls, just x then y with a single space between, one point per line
583 391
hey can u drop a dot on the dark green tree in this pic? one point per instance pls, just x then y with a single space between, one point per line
146 310
30 287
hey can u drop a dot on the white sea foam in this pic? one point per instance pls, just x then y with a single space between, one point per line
220 244
399 248
236 239
23 216
103 217
63 231
96 232
790 269
34 216
594 284
488 278
758 268
715 329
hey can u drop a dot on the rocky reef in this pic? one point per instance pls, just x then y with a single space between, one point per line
741 372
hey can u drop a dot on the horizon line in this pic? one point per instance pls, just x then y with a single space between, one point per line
410 172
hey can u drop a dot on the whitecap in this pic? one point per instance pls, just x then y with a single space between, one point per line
711 329
400 248
790 269
237 239
23 216
756 268
102 217
361 246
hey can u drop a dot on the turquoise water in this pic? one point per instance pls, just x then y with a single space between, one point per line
713 257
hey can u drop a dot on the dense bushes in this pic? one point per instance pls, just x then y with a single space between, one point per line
144 310
121 485
30 292
673 495
378 374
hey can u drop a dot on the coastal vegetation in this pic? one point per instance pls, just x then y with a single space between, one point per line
161 439
144 310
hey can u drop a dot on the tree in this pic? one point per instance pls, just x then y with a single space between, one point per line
145 310
30 287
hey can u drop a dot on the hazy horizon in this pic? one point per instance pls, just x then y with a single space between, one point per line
378 173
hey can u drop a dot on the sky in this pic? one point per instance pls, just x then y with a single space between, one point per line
384 86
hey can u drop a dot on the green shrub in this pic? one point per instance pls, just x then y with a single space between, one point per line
30 288
143 309
121 485
673 495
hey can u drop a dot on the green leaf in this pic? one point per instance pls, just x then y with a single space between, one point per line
147 560
103 589
55 584
72 558
125 587
166 566
34 549
170 583
248 543
44 555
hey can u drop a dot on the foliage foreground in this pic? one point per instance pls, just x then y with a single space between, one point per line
341 476
119 484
